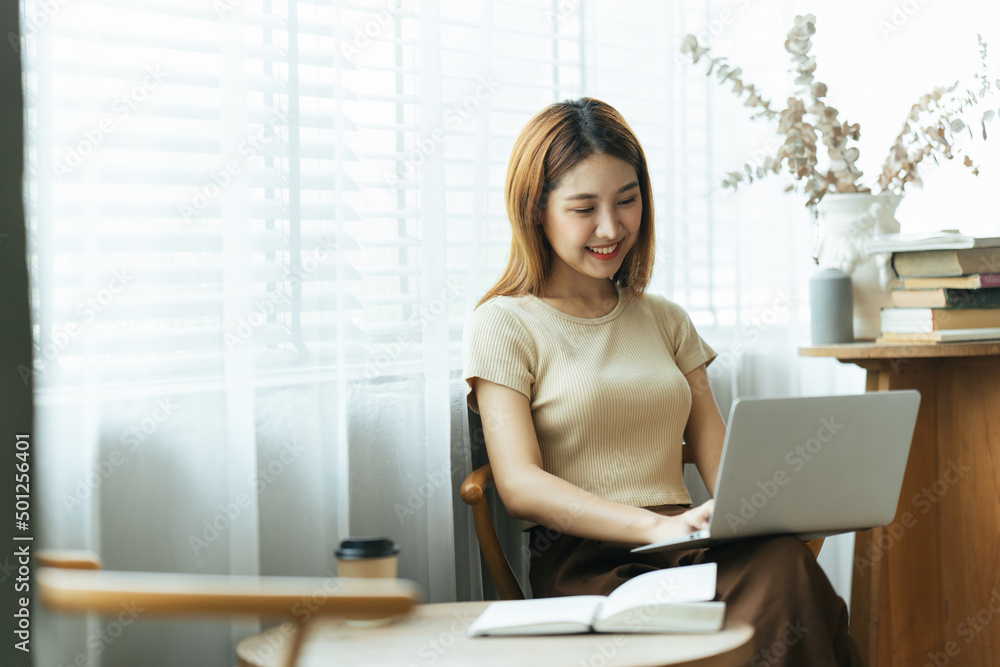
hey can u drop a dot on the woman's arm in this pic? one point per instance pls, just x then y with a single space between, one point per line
705 431
528 492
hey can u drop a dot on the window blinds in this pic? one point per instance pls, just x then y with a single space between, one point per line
211 178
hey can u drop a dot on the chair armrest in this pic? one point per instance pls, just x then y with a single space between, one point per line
473 493
815 545
476 485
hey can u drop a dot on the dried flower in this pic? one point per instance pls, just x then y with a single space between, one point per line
931 126
915 142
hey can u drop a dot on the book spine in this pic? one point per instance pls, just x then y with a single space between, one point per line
964 318
972 298
922 320
933 263
926 263
978 260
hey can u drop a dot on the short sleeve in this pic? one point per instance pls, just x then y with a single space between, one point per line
498 350
690 349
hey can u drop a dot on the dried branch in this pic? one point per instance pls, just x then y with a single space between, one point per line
932 125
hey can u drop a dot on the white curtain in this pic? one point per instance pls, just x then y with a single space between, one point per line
258 227
249 257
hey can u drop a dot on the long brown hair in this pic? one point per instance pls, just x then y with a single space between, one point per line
554 141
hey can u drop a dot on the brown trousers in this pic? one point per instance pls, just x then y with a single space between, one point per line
772 583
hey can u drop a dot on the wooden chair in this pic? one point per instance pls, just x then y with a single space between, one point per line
474 493
73 581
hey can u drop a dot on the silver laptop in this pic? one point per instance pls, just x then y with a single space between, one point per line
812 467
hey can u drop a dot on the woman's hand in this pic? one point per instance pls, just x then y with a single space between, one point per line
671 527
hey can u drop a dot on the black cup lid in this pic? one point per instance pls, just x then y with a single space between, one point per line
357 548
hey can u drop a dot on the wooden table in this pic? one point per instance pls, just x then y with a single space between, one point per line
435 634
926 588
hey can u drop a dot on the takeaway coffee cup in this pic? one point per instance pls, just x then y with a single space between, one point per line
376 557
367 557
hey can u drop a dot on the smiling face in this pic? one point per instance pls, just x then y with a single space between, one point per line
591 221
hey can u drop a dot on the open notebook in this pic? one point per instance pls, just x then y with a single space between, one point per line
678 599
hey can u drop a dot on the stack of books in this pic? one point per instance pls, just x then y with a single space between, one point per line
950 288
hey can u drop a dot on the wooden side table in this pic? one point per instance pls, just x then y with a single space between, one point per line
435 634
926 588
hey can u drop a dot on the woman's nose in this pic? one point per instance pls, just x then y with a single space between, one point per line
607 224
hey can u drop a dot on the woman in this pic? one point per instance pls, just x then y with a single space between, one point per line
587 385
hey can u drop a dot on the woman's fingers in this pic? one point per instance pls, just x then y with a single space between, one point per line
698 517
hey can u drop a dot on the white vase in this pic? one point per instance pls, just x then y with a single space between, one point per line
845 221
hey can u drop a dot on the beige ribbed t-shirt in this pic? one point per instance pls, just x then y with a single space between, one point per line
608 396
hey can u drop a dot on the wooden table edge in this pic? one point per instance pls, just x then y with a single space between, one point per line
736 655
873 350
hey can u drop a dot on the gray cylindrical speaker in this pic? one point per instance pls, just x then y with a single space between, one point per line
831 306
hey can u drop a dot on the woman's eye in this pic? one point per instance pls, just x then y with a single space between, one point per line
585 211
